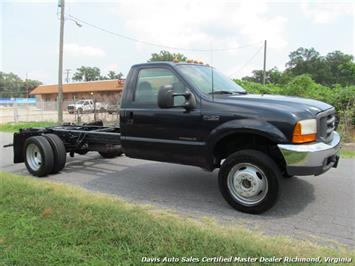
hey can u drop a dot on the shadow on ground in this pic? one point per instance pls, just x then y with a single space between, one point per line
178 186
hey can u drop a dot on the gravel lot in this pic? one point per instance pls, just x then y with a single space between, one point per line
320 209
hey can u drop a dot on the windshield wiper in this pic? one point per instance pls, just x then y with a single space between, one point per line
220 92
227 92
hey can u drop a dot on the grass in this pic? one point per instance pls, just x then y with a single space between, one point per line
347 154
14 127
43 223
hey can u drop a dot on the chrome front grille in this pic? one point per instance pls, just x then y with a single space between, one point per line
327 123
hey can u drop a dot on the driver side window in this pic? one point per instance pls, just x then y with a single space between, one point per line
150 80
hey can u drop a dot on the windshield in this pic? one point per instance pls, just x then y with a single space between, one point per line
80 102
201 78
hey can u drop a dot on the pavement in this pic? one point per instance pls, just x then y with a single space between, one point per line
315 208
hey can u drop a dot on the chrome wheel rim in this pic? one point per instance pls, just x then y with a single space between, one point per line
247 184
33 157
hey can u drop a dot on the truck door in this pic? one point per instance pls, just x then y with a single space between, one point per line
149 132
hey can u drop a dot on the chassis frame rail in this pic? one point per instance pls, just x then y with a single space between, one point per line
76 138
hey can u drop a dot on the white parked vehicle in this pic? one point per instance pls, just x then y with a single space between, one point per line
86 106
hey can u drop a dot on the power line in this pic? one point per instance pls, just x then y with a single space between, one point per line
156 44
247 62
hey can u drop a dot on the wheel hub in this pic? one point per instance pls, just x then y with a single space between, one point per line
33 156
247 183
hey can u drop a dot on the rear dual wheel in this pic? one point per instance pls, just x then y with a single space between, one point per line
44 155
59 152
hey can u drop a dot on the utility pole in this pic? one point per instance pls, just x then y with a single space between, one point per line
264 68
67 72
60 70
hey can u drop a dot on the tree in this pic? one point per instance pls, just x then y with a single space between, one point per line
271 76
167 56
308 61
330 70
12 85
334 68
302 55
94 73
30 85
342 68
87 74
113 75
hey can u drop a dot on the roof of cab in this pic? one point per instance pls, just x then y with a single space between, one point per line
171 63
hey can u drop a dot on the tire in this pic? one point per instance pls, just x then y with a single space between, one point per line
80 111
110 155
59 152
249 181
39 157
102 110
287 176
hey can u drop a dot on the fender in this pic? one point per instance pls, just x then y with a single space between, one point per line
262 128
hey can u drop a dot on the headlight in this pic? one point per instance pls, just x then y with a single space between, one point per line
305 131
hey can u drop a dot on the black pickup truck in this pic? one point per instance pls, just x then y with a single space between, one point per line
189 113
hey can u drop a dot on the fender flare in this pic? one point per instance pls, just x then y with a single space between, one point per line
258 127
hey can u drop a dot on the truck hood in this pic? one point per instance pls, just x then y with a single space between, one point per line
294 105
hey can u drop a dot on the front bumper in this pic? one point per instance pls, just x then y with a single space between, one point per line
311 159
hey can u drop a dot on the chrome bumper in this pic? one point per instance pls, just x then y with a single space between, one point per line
311 159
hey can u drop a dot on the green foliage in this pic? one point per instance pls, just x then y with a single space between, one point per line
347 153
113 75
257 88
84 73
12 85
271 76
15 127
334 68
342 68
167 56
330 70
44 223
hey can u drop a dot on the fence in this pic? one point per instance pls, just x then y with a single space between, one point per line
47 111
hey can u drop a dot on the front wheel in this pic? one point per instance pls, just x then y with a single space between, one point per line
249 181
286 175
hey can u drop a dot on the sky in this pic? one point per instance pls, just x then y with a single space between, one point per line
226 34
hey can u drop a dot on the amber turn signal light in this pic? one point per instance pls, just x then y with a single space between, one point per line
303 132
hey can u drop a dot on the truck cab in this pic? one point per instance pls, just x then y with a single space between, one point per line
192 114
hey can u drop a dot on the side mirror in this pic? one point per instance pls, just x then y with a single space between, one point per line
166 98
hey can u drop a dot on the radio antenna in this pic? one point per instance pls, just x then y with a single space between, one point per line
212 81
